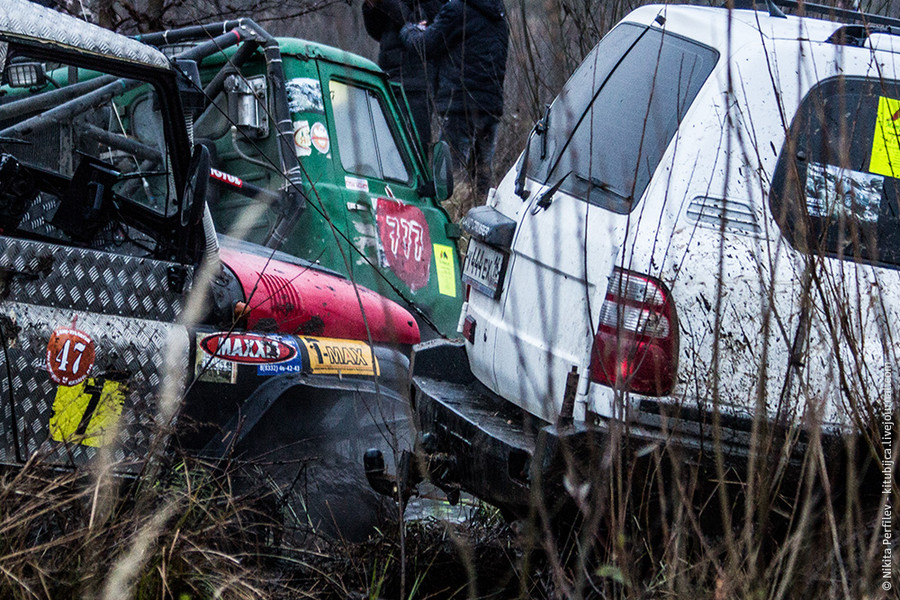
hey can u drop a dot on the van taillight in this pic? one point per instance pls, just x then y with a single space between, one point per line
636 345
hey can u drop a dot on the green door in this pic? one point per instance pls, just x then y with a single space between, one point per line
400 243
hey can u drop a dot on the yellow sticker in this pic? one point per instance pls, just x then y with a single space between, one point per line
885 158
446 269
328 356
87 413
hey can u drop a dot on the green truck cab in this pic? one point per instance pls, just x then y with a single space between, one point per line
329 124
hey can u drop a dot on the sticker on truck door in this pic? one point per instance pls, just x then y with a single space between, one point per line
404 242
446 269
319 136
302 139
70 356
885 159
304 95
328 356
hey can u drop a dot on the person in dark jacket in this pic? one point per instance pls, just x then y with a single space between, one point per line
383 20
469 39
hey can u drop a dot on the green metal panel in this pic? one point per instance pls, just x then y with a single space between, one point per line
340 227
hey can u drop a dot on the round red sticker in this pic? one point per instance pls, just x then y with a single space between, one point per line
319 135
70 356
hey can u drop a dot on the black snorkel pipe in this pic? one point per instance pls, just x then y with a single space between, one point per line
229 33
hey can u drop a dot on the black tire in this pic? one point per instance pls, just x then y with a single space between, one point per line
307 454
326 496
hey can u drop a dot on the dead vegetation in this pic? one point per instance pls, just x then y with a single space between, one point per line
645 527
646 524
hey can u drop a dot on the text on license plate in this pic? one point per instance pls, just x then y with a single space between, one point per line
484 268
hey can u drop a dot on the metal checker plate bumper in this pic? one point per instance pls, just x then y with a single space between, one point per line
133 349
123 303
88 280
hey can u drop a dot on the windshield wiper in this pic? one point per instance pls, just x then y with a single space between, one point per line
540 128
600 184
12 140
139 174
546 198
519 189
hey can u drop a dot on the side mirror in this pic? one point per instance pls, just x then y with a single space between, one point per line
442 171
197 184
190 90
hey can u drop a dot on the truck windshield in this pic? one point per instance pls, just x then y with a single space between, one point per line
366 144
616 115
58 117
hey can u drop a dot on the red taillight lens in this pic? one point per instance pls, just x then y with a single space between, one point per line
636 345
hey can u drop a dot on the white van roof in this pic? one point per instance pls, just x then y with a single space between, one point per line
710 26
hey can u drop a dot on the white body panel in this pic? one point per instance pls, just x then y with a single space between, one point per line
737 284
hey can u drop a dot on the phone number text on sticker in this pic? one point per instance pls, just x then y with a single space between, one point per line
329 356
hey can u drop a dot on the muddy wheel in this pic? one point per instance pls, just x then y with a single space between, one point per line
324 495
308 454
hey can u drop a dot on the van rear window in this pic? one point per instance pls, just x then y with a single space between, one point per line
836 186
617 114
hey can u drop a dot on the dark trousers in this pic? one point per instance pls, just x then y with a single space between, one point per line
471 137
420 110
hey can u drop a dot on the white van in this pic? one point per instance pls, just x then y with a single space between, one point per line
701 236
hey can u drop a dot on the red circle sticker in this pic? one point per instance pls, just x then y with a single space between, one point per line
319 135
70 355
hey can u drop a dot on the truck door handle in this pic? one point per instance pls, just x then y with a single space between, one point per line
359 207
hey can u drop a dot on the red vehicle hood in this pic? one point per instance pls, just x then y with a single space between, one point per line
301 300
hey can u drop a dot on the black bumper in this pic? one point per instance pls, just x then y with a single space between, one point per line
473 440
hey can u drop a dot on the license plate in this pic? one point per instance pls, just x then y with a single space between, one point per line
485 268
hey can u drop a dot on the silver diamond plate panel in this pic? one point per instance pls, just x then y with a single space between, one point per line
30 22
127 349
87 280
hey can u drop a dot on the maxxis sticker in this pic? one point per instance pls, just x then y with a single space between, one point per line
329 356
219 354
248 348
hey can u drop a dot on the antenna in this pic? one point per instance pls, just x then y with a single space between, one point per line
774 11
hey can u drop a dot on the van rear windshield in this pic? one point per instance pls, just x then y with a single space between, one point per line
836 187
611 124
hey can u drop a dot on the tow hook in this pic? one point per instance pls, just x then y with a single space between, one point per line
399 488
439 468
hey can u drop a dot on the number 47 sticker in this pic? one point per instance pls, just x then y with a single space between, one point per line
85 411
